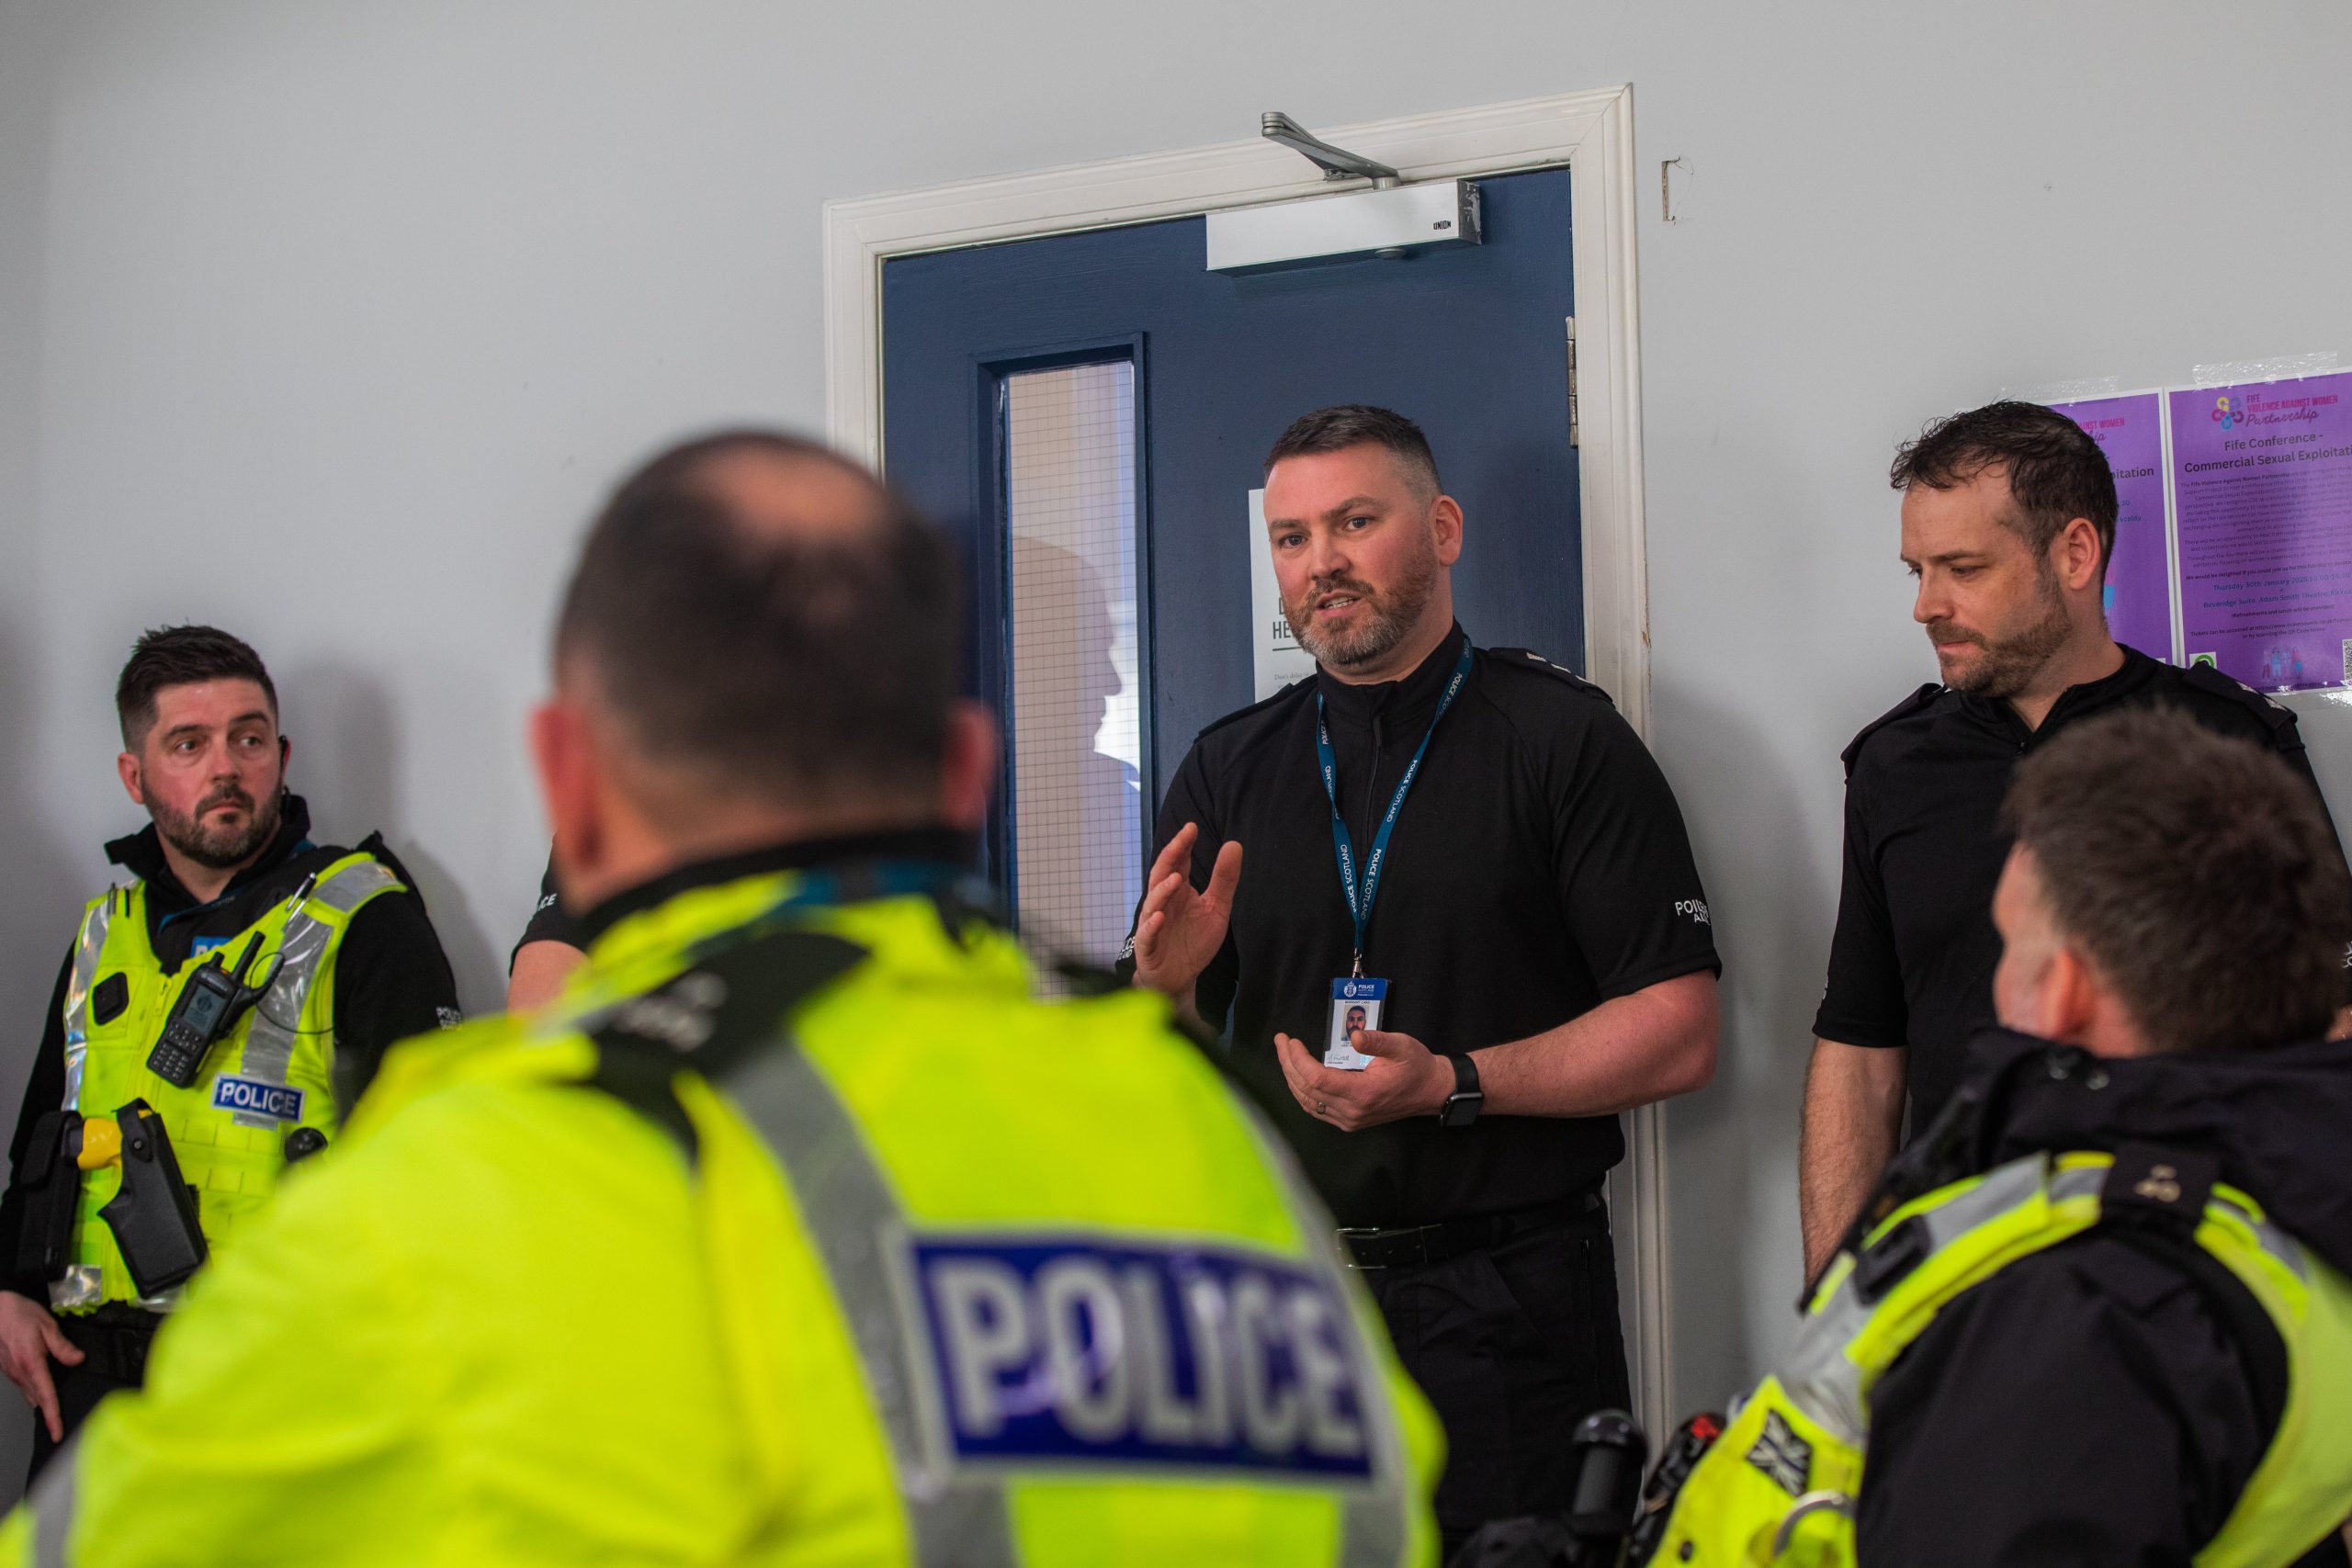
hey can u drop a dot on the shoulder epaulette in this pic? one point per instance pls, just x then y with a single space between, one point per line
712 1017
1259 707
1528 659
373 845
2206 678
1904 709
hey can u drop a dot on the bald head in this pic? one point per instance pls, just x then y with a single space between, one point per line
756 619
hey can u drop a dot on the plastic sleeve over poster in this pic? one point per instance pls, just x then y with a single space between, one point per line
2262 492
2130 429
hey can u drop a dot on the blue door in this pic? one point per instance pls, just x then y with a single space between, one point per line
1042 396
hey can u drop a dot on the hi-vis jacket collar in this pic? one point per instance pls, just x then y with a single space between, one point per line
2271 1118
944 846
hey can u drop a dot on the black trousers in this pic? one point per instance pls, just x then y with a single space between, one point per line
113 1341
1513 1344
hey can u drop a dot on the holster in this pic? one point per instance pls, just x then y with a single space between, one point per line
53 1191
154 1217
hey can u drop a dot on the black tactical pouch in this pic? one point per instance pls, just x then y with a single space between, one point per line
52 1190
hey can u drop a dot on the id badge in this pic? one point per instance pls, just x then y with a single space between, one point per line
1356 1003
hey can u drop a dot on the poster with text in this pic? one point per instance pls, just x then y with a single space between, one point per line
2262 476
1275 658
2129 429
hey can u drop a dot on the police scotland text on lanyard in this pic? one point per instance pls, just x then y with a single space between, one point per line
1360 893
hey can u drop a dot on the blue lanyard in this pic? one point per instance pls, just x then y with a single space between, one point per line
1360 894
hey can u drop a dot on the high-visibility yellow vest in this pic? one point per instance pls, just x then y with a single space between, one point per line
960 1276
271 1074
1778 1487
1023 1312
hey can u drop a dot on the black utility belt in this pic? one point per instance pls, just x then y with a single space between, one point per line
113 1339
1403 1246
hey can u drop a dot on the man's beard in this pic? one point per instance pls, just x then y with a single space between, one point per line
218 849
1389 618
2010 664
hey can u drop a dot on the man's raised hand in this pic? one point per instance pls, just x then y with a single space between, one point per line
1179 930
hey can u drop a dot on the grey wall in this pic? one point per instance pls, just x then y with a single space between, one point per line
327 322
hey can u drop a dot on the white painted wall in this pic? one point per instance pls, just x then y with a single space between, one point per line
328 321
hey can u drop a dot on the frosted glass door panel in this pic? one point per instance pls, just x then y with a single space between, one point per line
1075 717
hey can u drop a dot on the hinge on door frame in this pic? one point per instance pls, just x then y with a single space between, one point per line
1573 431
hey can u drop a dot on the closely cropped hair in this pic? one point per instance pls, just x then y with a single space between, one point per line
1360 424
2197 871
181 655
805 670
2056 473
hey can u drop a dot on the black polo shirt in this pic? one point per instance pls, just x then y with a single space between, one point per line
1911 962
1539 868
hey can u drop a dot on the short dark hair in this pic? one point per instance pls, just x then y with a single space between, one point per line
802 665
2056 473
2196 871
181 655
1343 425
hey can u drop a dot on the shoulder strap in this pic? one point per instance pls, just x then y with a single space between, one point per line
1260 706
719 1013
1528 659
1904 709
2276 716
2152 1201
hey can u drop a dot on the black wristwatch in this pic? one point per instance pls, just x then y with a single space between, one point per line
1461 1107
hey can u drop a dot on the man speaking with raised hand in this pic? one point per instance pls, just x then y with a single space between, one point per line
1472 845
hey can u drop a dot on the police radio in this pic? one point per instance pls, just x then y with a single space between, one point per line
208 1007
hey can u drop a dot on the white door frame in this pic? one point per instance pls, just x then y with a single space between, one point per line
1592 134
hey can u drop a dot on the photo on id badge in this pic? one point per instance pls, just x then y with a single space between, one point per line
1356 1003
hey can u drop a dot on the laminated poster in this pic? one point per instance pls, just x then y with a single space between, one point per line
2262 476
2129 429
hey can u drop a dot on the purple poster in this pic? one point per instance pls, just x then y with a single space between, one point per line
2129 429
2263 498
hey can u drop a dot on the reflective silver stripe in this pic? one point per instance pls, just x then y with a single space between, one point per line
81 1285
2283 1248
1818 1374
847 1205
269 1041
1376 1522
92 941
53 1506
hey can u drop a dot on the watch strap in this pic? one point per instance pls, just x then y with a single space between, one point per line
1461 1107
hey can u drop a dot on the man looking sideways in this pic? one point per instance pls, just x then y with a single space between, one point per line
338 943
2098 1313
2008 520
1476 843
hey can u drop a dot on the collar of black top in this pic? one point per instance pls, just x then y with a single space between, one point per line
2089 697
1411 698
938 845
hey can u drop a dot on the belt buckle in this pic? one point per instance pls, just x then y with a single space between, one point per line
1347 1245
1418 1232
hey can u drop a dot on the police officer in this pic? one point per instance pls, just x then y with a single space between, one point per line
796 1230
283 969
1474 847
2099 1313
2008 522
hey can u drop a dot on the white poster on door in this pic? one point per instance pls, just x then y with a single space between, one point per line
1274 654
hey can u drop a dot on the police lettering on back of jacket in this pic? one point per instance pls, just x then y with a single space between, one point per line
795 1229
